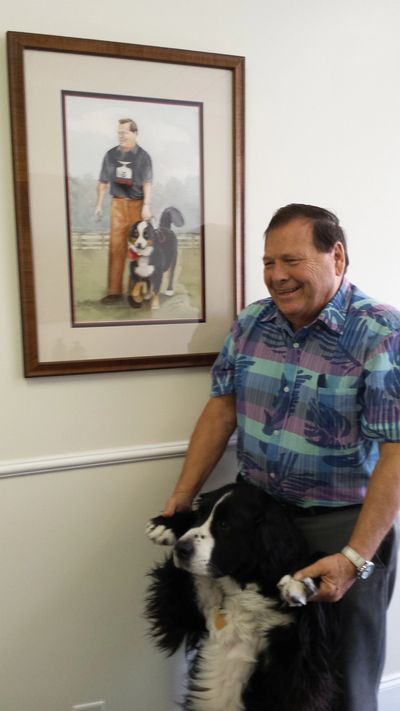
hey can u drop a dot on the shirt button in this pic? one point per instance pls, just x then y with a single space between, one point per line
286 389
296 345
272 475
276 432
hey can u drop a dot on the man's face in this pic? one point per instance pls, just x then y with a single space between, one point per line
300 279
126 137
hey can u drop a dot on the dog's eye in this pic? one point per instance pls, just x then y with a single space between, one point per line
223 526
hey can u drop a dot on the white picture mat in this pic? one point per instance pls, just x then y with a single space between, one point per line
46 75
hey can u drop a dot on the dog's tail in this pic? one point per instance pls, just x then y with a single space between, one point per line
171 216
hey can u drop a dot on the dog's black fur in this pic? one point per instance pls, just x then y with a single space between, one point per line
164 255
254 542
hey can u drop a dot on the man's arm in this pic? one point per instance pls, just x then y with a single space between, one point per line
207 444
101 190
377 515
146 209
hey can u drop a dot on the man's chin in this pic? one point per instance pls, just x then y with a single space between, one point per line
293 315
289 305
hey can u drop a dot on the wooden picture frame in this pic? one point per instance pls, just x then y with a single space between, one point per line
50 79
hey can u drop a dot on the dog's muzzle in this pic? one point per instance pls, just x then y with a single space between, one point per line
183 551
140 243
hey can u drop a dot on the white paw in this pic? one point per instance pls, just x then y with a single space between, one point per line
158 533
296 592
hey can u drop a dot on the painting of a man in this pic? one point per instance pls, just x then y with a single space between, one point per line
127 172
113 187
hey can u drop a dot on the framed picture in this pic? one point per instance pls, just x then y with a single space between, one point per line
129 192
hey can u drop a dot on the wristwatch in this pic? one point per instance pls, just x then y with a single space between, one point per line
364 567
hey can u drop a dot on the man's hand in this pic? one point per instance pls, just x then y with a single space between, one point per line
336 575
98 213
180 501
146 212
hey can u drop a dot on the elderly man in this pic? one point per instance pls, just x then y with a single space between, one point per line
127 169
311 379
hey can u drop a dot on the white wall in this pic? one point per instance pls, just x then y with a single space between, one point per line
323 110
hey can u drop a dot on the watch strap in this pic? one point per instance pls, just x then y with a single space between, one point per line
354 557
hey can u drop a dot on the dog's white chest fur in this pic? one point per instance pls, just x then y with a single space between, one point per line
143 268
237 621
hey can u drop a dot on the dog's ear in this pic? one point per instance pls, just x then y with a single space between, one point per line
149 230
171 608
133 233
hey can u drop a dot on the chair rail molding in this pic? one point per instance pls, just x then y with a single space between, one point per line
99 458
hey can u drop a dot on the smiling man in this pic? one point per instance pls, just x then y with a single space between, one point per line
311 379
300 278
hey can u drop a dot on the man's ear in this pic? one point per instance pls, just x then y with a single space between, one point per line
340 258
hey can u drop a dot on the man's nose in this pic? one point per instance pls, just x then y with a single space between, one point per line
278 272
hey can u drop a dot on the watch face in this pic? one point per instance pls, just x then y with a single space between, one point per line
366 569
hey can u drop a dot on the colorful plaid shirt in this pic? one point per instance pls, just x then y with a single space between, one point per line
312 406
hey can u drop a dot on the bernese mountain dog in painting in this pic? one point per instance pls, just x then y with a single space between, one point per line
226 592
152 253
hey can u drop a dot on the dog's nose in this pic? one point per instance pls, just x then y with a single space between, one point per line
184 549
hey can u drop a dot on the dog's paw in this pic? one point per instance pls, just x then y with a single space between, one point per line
159 533
296 592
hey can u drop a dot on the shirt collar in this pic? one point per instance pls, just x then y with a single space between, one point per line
131 150
333 315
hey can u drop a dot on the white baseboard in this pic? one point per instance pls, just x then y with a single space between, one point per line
389 693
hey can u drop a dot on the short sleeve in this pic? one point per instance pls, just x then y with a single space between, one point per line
147 169
380 417
223 370
106 170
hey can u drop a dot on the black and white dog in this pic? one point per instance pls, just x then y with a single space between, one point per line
226 592
152 252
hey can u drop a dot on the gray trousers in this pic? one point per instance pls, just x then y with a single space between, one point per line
362 611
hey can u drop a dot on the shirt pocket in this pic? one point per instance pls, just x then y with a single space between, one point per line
333 418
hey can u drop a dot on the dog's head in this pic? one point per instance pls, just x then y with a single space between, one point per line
241 533
141 238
